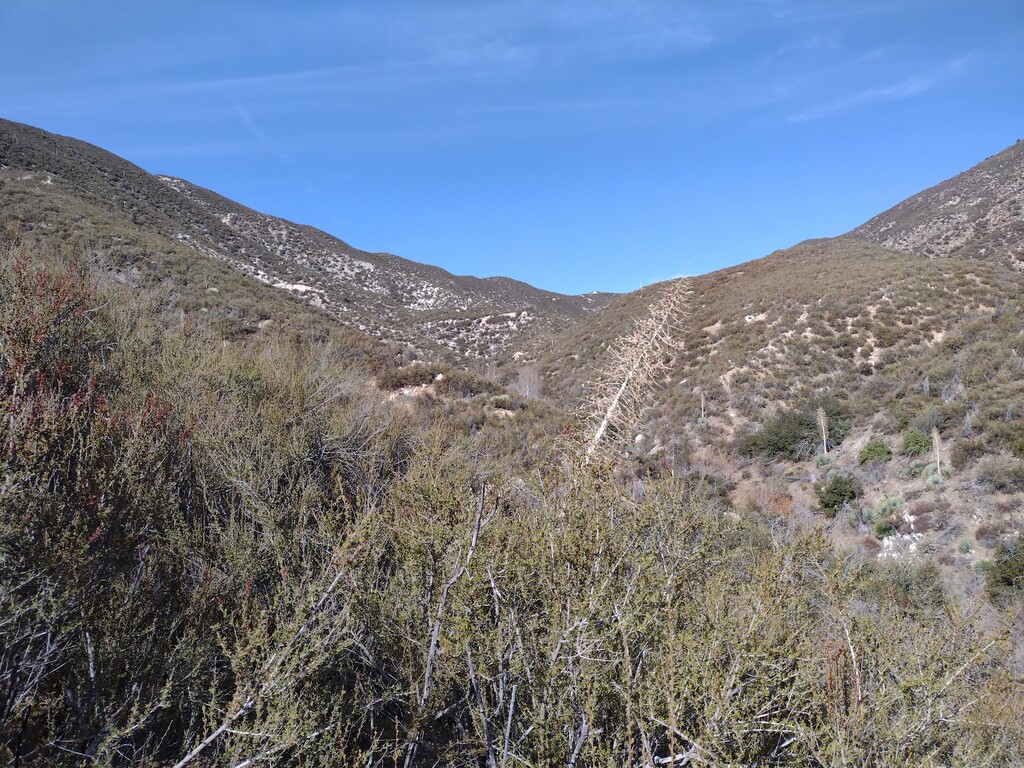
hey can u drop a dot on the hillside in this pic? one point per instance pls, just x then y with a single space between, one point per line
873 321
898 341
229 554
976 214
838 311
52 182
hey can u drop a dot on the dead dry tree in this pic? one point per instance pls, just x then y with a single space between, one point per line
638 362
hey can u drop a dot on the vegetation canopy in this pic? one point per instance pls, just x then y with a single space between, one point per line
796 433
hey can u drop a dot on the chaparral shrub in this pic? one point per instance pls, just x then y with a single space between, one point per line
916 443
796 433
837 492
875 450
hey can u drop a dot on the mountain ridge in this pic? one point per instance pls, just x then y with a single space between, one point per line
976 214
382 294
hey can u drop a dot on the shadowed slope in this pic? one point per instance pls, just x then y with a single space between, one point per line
390 297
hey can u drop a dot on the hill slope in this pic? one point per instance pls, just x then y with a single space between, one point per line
218 553
899 340
248 557
822 315
976 214
389 297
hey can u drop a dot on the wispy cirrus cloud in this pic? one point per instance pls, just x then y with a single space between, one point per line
257 132
903 89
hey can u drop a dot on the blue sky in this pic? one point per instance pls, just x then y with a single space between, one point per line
580 145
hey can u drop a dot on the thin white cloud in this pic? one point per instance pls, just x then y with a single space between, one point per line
376 56
901 90
904 89
827 12
259 134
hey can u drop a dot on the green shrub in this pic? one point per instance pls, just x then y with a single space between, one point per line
795 434
834 494
916 443
786 434
875 450
1005 572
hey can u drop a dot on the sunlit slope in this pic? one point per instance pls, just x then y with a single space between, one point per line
978 213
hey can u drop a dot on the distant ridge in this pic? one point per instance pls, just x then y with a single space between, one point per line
385 295
976 214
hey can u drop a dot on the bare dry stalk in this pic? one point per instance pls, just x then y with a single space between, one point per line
638 361
823 427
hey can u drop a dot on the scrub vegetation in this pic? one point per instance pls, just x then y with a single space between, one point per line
219 553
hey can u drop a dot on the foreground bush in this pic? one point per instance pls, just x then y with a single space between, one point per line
231 555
